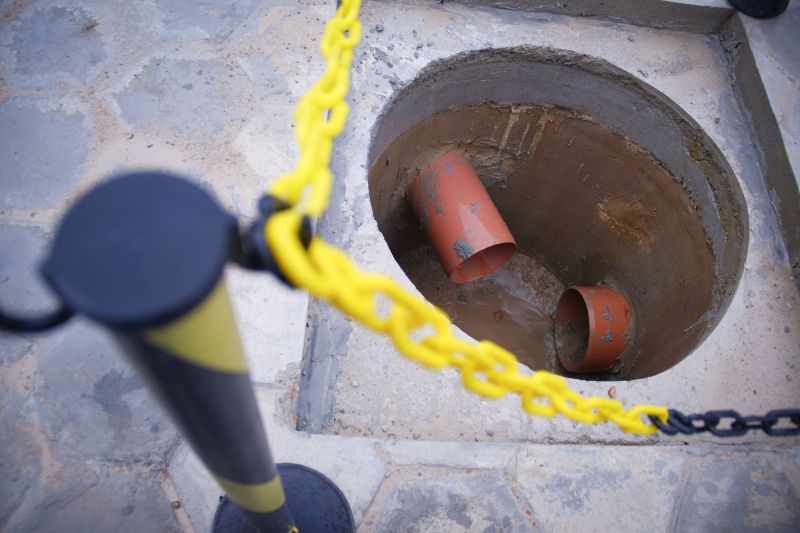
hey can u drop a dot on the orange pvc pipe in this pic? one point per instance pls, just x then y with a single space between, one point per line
592 328
463 224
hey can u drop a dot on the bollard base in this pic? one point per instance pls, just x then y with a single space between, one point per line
315 501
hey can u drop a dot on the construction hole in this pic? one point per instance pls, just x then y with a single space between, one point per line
601 179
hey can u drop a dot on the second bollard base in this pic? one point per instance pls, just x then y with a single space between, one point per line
315 501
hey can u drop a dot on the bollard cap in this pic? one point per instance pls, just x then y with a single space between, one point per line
140 250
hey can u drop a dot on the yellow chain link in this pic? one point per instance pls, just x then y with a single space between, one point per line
327 273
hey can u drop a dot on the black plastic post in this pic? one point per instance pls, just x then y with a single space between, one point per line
761 8
144 254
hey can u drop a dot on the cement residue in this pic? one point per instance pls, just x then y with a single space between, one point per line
628 217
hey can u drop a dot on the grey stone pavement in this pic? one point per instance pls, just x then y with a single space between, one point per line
207 89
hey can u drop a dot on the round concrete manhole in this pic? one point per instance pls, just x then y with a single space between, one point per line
601 180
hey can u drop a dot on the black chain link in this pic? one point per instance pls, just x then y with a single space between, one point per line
730 423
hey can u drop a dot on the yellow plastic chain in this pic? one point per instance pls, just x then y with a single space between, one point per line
327 273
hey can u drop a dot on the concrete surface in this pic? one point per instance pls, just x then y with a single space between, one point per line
765 70
702 16
91 87
691 70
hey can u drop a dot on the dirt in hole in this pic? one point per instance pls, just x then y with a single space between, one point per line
514 306
572 340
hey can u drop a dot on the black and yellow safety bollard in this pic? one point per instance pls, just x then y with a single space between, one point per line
145 254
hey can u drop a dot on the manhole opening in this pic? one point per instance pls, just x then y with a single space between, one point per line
582 190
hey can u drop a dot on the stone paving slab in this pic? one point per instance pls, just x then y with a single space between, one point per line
89 89
452 501
43 147
595 488
81 438
114 499
580 488
418 485
753 492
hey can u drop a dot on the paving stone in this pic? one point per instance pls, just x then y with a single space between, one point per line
21 287
690 71
48 488
614 488
20 457
268 149
461 502
741 492
49 500
49 46
43 152
93 404
207 20
194 97
117 499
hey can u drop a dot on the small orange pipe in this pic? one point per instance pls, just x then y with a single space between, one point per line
463 224
592 328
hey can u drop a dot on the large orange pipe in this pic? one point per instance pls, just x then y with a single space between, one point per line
463 224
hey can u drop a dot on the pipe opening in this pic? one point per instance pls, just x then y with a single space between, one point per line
572 329
483 262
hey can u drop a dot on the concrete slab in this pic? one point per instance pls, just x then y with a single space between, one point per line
575 488
691 70
117 500
626 488
92 403
451 454
272 344
52 46
749 492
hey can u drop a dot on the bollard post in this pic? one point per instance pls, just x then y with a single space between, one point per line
144 254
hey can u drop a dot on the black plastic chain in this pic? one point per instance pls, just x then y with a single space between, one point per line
730 423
